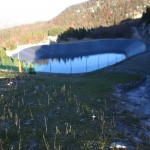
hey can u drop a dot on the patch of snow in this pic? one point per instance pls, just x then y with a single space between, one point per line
118 145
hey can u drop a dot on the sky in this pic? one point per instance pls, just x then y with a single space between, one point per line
32 10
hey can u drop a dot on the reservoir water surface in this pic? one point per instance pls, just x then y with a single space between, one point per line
78 64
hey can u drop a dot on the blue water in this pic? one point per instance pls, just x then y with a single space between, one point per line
78 64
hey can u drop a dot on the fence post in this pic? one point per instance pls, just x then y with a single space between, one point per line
86 63
70 66
98 61
50 65
107 59
19 65
116 58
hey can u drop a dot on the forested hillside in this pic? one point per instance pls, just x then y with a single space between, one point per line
96 13
90 14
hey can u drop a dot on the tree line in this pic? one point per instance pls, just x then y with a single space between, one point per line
120 30
73 33
11 64
146 15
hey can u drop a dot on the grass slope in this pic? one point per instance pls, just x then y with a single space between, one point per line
58 112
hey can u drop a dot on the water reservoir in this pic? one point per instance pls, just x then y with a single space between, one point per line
78 64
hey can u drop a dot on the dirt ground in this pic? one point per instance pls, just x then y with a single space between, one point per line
133 106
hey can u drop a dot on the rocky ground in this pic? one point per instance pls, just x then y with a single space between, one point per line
133 110
133 103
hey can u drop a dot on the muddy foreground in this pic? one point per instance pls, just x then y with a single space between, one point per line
133 103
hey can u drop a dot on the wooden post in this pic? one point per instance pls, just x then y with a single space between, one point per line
19 65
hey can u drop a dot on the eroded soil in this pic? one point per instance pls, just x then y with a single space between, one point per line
133 111
133 103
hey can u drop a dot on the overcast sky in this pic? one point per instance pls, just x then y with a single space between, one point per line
32 10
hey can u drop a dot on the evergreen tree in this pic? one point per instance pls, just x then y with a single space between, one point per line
3 52
146 15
